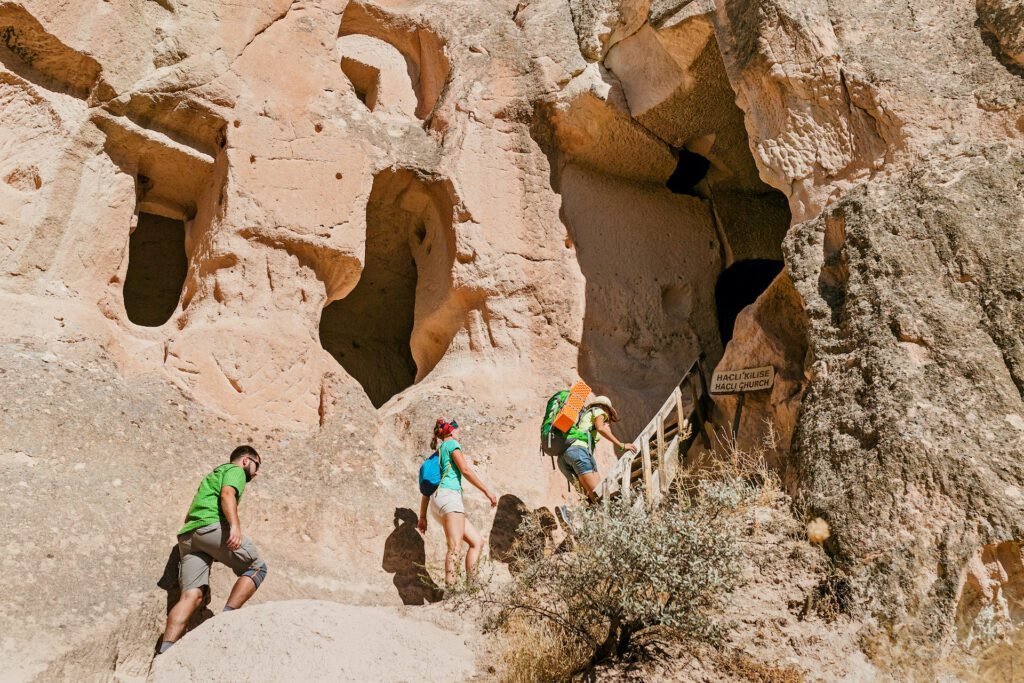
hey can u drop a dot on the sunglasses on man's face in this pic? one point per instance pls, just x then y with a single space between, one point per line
255 462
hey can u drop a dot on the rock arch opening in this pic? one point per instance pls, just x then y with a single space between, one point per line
375 37
660 195
395 325
738 286
378 74
365 80
157 266
173 148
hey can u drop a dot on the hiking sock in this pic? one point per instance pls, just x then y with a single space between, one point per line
227 608
165 646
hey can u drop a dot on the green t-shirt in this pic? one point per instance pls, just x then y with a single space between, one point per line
586 425
205 508
451 475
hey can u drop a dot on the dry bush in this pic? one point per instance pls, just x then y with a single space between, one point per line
832 596
749 468
532 650
626 570
748 669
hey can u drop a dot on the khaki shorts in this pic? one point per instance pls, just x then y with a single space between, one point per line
201 547
446 500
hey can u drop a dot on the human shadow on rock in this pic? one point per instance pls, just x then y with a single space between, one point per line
510 542
405 556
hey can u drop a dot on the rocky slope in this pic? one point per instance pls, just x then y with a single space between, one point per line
323 641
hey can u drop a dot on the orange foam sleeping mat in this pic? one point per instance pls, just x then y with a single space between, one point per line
570 412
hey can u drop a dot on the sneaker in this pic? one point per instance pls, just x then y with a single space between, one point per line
565 517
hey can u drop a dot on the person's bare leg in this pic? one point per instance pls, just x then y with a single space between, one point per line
454 530
182 611
590 482
243 589
476 546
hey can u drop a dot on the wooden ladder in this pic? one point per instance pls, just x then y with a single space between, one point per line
661 445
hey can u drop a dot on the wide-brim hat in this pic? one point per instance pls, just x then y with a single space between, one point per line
600 401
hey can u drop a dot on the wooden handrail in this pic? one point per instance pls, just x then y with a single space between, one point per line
671 433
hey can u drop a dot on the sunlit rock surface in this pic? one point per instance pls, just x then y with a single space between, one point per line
317 226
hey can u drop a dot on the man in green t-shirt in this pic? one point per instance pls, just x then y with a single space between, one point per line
212 532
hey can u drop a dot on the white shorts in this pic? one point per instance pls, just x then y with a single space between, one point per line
446 500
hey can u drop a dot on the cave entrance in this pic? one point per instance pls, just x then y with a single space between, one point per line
738 286
395 325
368 331
157 266
674 229
690 170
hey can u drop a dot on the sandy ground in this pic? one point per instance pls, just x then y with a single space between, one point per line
311 640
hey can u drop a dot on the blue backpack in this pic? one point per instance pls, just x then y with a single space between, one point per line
430 474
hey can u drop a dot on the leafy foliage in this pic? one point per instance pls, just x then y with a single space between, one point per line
624 570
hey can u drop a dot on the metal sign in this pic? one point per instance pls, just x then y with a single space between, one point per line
741 381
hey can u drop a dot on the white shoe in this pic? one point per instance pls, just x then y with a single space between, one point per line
565 517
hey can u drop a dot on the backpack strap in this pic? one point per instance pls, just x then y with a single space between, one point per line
446 470
590 432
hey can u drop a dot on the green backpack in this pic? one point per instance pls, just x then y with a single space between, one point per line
554 442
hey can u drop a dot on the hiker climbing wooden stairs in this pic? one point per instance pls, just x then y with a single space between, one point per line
647 474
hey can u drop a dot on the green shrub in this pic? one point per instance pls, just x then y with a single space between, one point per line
625 570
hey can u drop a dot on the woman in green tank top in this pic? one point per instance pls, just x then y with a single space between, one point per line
446 502
577 462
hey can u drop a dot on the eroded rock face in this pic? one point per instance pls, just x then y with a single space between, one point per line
912 419
989 598
1004 19
317 226
264 134
906 265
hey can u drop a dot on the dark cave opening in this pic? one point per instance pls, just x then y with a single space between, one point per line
657 200
738 286
157 266
689 171
368 331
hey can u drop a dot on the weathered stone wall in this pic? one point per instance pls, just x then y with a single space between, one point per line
911 429
896 135
280 138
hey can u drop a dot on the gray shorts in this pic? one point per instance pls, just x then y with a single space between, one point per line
201 547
